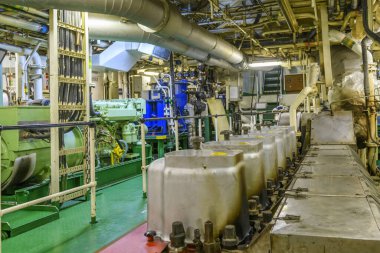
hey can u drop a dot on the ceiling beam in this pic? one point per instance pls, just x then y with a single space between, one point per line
289 15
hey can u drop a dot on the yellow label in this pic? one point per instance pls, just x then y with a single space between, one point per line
219 154
162 137
243 143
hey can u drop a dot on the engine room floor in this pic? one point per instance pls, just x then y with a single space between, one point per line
120 208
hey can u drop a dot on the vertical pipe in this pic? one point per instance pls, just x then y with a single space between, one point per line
38 85
200 127
172 77
1 87
25 70
143 158
92 175
326 47
369 91
54 91
1 137
216 128
176 135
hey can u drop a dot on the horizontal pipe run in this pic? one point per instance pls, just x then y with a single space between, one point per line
44 199
23 24
152 16
38 126
207 116
108 27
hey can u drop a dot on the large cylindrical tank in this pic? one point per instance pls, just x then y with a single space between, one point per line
254 175
194 186
29 160
270 158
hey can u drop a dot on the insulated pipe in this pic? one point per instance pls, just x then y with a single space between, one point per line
153 16
36 57
369 91
341 38
16 49
107 27
354 4
23 24
36 60
38 86
305 93
32 11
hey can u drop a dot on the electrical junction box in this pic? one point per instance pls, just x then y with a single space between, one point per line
235 93
294 83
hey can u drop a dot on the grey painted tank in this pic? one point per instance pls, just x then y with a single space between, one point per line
253 158
194 186
270 161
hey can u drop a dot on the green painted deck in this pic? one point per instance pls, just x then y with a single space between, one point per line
120 208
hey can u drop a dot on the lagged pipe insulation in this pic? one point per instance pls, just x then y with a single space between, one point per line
107 27
153 16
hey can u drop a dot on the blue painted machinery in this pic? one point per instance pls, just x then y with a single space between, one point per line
160 104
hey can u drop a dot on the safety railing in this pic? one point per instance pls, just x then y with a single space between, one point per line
87 185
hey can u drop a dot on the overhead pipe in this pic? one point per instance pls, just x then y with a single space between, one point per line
366 21
341 38
32 11
153 16
107 27
289 15
23 24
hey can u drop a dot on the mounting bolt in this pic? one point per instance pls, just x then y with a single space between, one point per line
229 240
177 236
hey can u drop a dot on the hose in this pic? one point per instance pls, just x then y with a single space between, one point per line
367 29
93 113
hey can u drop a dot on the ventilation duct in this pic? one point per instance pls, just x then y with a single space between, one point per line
153 16
107 27
120 56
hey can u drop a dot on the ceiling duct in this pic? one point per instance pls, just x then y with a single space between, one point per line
153 16
107 27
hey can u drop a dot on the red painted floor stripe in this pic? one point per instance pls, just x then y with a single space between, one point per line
134 242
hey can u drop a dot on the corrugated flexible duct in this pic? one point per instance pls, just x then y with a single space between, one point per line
155 16
107 27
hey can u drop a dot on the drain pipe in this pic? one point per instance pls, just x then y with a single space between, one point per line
153 16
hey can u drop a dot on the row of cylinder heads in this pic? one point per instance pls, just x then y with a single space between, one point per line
231 184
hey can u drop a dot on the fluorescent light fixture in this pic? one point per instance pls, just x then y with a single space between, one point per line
149 73
264 64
